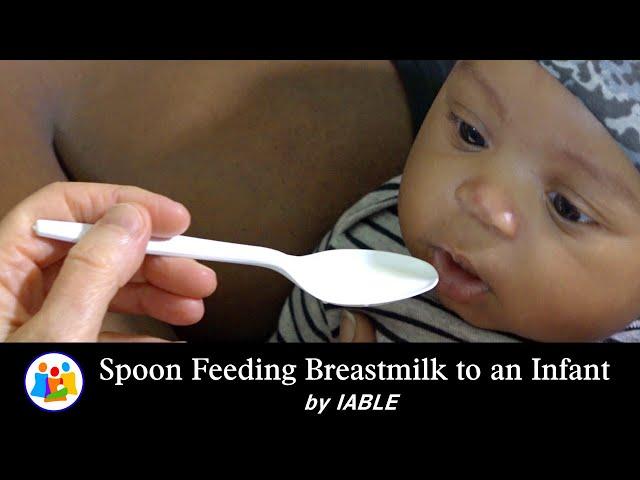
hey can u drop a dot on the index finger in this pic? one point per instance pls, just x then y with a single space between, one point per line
86 203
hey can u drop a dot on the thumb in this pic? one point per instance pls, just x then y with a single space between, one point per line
103 261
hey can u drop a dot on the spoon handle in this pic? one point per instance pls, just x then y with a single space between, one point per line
178 246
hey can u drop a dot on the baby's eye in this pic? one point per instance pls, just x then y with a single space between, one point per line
567 210
470 134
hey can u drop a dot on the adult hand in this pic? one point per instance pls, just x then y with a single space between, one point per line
53 291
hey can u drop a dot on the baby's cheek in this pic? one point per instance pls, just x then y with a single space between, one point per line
565 299
422 210
414 220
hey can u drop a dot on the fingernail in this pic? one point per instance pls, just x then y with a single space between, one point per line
125 216
347 327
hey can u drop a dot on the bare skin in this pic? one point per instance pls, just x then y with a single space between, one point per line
59 292
266 153
499 176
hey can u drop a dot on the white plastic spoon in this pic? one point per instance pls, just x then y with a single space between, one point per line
346 277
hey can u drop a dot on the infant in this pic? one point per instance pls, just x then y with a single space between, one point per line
522 189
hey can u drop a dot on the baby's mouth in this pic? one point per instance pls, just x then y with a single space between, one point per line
458 281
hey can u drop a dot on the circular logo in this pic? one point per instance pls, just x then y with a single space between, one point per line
53 381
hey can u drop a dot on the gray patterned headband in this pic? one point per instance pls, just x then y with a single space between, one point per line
610 89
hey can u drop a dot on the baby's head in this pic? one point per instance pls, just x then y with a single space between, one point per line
531 183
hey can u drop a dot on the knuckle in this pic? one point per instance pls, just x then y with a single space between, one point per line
57 187
126 193
54 187
90 258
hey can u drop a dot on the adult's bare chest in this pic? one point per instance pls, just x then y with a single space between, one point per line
259 154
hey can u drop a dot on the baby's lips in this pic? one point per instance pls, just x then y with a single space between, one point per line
455 282
465 264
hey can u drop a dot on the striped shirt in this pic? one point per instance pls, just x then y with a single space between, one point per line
372 223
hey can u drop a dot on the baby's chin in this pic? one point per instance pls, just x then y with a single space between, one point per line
501 309
531 323
488 312
478 314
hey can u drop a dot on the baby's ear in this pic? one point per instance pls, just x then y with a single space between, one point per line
355 327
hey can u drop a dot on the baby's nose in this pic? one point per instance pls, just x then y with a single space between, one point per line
489 203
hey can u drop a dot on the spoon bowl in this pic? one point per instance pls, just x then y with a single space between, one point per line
349 277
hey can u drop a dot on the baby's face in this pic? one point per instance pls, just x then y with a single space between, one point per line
515 179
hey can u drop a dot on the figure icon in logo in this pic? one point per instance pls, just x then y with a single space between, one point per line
41 388
53 381
47 384
69 379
